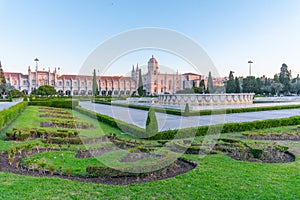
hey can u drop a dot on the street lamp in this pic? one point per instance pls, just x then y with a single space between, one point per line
250 62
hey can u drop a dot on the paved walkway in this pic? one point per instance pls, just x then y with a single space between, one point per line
166 121
5 105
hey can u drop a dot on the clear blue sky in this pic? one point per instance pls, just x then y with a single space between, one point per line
63 33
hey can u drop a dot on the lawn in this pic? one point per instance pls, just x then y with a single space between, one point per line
217 176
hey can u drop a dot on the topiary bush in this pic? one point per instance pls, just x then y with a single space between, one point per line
151 124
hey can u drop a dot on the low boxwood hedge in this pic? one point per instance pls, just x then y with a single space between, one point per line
226 128
55 103
6 116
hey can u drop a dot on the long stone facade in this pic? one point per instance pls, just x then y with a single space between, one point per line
154 82
206 99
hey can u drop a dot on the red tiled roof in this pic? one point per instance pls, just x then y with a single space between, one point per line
191 74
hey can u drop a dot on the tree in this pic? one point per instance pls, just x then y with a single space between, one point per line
95 85
237 85
210 83
2 77
276 78
230 84
140 85
45 90
249 85
202 86
277 87
258 86
285 78
5 88
16 93
151 123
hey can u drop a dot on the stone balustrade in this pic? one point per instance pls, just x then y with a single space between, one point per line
207 99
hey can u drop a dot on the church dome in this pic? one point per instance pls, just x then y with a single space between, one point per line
153 60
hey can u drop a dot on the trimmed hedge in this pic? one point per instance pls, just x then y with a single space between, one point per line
59 140
121 125
55 103
24 134
6 116
227 128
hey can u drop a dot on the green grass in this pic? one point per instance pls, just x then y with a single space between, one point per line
216 177
65 160
30 119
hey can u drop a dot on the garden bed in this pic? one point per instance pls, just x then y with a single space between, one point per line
180 166
70 124
239 150
255 152
94 152
293 134
136 156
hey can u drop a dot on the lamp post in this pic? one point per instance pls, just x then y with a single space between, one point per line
250 62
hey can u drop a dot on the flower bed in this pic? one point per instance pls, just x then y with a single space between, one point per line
274 135
55 115
30 134
255 152
71 124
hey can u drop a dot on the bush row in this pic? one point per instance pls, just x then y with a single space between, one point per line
67 124
24 134
54 110
226 128
59 140
55 103
123 126
6 116
55 115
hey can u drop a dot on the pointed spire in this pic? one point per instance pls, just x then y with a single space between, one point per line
137 67
0 64
132 68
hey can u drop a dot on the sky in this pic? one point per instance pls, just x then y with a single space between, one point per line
63 33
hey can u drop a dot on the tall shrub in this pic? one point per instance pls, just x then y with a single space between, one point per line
186 109
151 123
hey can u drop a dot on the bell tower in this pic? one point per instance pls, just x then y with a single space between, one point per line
153 66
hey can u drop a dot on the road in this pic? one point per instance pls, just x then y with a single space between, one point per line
166 121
